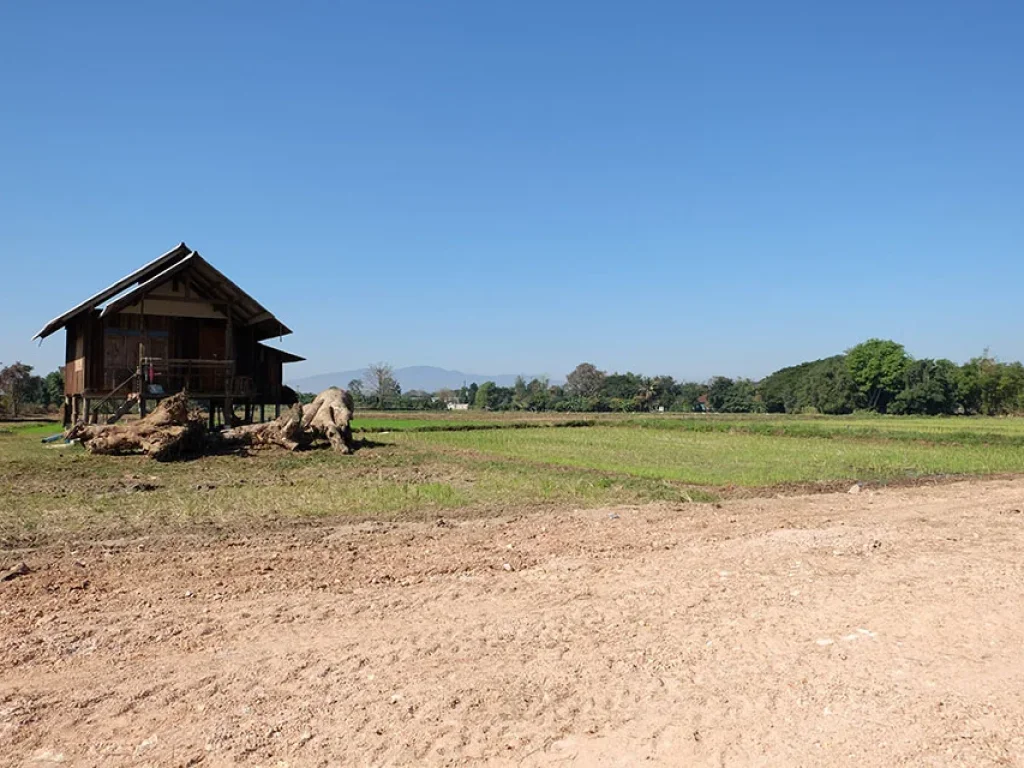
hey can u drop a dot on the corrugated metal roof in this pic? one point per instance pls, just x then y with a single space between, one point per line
179 252
208 279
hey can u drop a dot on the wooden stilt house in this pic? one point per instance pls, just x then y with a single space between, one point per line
176 324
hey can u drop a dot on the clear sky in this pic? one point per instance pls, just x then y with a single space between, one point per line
683 188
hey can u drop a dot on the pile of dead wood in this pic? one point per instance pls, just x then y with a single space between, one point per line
170 431
328 416
173 431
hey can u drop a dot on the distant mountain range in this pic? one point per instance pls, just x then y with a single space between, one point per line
425 377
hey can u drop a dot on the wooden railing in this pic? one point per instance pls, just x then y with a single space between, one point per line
163 376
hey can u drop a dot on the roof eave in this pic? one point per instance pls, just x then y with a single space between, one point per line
178 252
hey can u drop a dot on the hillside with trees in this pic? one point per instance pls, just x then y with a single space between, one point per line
877 376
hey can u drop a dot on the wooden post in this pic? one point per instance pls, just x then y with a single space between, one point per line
229 337
87 416
65 414
229 376
142 406
212 407
277 410
263 414
142 328
87 362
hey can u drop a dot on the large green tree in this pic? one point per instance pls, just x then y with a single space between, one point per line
539 396
718 391
726 395
930 388
877 367
55 387
483 394
520 395
986 385
828 387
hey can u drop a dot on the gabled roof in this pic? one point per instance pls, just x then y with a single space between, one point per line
177 253
210 281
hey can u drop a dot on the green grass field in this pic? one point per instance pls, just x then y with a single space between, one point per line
739 457
479 464
461 420
976 429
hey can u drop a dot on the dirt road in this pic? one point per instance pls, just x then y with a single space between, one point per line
881 628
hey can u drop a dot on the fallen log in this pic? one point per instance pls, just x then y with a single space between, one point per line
328 417
285 431
171 430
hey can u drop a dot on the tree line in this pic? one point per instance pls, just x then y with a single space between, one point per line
876 376
21 390
879 376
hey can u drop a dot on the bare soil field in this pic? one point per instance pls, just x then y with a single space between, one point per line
880 628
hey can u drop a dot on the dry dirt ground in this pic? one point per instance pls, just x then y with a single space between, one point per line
882 628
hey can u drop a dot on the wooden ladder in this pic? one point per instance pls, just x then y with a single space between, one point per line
123 408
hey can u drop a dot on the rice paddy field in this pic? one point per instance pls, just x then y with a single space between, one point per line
421 466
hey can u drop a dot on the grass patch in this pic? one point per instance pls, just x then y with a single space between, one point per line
43 429
458 425
719 458
950 430
459 466
49 494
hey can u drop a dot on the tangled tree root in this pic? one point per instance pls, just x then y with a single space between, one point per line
172 430
328 416
168 432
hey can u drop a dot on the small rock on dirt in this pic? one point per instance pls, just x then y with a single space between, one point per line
48 756
146 745
21 569
855 488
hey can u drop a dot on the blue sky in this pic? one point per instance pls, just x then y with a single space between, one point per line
678 188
